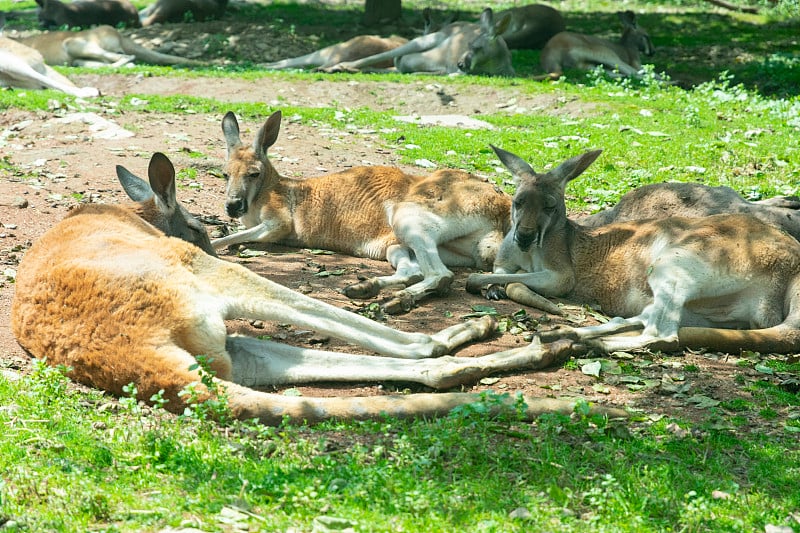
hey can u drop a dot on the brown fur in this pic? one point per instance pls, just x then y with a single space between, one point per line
108 294
98 46
356 48
178 10
661 200
86 13
531 26
24 67
421 224
575 50
459 47
711 274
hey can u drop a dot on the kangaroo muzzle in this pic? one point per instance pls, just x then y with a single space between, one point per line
236 207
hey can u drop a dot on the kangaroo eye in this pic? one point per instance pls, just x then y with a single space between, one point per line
550 203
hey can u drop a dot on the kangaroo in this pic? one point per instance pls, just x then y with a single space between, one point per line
132 294
531 26
576 50
459 47
100 46
420 224
661 200
180 10
86 13
356 48
681 281
23 67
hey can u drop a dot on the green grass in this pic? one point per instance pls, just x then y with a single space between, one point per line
79 461
76 462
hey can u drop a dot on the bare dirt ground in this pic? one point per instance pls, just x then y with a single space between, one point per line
56 160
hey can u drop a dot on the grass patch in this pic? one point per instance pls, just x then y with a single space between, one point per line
76 461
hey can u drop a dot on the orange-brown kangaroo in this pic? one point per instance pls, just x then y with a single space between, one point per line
133 293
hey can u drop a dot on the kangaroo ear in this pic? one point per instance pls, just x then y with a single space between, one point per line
162 181
268 134
230 129
502 25
514 163
135 187
628 18
487 20
575 166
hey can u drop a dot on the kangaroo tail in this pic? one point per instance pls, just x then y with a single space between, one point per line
155 58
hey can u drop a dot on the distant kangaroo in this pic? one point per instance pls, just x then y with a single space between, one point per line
459 47
531 26
682 281
111 294
87 13
576 50
23 67
182 11
420 224
661 200
100 46
356 48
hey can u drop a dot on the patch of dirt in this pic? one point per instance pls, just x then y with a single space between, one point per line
54 165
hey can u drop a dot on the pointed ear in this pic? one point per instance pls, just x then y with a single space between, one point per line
135 187
162 181
628 18
268 134
575 166
487 20
514 163
502 25
230 129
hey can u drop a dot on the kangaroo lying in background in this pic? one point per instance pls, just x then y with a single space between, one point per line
100 46
661 200
111 293
458 47
182 10
23 67
681 281
420 224
350 50
531 26
86 13
575 50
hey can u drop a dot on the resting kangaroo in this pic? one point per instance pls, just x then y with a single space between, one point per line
86 13
350 50
420 224
23 67
457 47
661 200
682 281
110 293
100 46
576 50
531 26
182 10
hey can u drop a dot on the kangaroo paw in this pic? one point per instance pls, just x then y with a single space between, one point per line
398 304
368 288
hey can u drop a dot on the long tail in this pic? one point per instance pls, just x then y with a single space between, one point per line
155 58
777 339
272 408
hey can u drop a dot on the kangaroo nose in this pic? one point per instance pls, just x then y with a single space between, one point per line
524 238
465 62
236 208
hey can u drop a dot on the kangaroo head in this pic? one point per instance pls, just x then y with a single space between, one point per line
248 169
488 53
51 13
158 203
538 206
633 36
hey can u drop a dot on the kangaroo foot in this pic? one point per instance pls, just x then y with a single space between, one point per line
363 289
398 304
